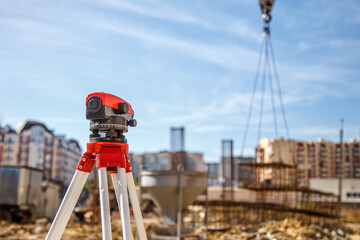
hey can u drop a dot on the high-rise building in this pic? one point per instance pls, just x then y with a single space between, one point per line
313 159
32 144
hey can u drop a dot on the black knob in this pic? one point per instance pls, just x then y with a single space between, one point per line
123 107
132 123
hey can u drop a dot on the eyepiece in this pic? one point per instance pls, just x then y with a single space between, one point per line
132 123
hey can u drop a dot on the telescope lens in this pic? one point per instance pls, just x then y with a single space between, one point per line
94 104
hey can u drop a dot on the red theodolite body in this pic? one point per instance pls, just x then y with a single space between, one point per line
109 115
109 118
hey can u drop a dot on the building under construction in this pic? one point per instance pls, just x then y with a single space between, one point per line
272 181
315 159
273 193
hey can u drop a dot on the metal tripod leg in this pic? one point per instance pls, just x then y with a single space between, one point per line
135 206
104 204
67 205
120 186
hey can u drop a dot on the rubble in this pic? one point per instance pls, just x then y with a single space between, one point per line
271 230
286 229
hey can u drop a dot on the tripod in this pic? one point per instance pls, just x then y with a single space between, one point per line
111 156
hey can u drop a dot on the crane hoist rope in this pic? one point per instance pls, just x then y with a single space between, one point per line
266 65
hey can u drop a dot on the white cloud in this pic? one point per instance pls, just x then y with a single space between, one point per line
152 9
217 22
244 30
227 55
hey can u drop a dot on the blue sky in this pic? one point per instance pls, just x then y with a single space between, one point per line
180 63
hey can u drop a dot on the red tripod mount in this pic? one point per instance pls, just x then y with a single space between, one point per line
106 154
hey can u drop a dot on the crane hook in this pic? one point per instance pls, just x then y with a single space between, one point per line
266 6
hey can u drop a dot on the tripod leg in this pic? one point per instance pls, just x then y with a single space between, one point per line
120 186
67 205
104 204
136 207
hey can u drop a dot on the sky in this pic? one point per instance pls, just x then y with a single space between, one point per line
181 63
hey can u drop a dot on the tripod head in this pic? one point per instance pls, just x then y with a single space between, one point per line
109 117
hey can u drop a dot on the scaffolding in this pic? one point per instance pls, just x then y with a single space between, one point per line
273 193
227 166
177 148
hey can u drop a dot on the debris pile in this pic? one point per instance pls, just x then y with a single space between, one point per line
272 230
282 230
74 230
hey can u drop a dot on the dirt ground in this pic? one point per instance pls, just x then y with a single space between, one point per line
272 230
289 229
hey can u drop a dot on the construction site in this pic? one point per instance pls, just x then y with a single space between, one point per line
264 201
178 204
287 189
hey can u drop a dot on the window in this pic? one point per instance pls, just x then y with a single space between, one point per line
163 163
353 195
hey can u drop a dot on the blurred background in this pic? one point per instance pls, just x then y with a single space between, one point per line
187 66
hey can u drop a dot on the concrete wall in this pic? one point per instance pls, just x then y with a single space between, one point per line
350 188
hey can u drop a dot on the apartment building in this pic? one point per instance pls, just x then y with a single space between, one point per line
32 144
9 142
313 159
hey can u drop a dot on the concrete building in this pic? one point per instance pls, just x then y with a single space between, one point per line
214 173
241 174
67 155
9 146
350 188
32 144
162 161
313 159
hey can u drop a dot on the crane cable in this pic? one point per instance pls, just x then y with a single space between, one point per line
263 89
266 6
252 97
279 90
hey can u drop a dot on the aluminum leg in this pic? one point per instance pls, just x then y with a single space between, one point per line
135 206
120 186
67 205
104 204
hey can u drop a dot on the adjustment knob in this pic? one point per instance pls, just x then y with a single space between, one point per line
123 108
132 123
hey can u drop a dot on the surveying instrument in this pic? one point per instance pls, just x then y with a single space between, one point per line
109 118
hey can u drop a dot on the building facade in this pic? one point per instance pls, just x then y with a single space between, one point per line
350 191
242 174
9 146
32 144
162 161
313 159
